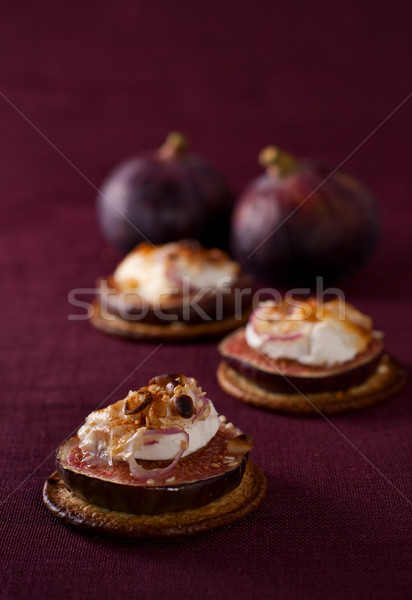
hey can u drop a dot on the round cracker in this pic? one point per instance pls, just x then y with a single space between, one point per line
175 331
387 379
76 512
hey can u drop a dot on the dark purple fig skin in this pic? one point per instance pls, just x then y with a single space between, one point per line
148 500
166 199
289 377
132 310
333 230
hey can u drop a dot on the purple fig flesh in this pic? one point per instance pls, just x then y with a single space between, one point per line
193 485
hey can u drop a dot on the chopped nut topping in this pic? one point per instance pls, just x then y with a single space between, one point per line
137 401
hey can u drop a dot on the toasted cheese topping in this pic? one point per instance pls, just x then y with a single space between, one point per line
169 418
165 270
310 333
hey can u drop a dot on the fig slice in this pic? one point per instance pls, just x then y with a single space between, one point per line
288 376
193 309
197 479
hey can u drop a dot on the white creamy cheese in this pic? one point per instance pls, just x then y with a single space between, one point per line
111 435
147 273
171 268
329 339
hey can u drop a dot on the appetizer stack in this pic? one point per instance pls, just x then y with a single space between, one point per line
160 462
174 291
308 357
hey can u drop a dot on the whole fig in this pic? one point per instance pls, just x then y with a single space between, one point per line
162 196
301 220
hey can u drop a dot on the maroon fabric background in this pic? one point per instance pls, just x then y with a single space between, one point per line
102 81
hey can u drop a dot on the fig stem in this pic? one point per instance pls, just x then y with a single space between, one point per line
175 145
277 162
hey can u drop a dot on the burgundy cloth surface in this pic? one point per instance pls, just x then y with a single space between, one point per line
102 81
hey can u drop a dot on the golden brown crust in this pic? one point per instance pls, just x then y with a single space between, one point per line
76 512
387 379
176 331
